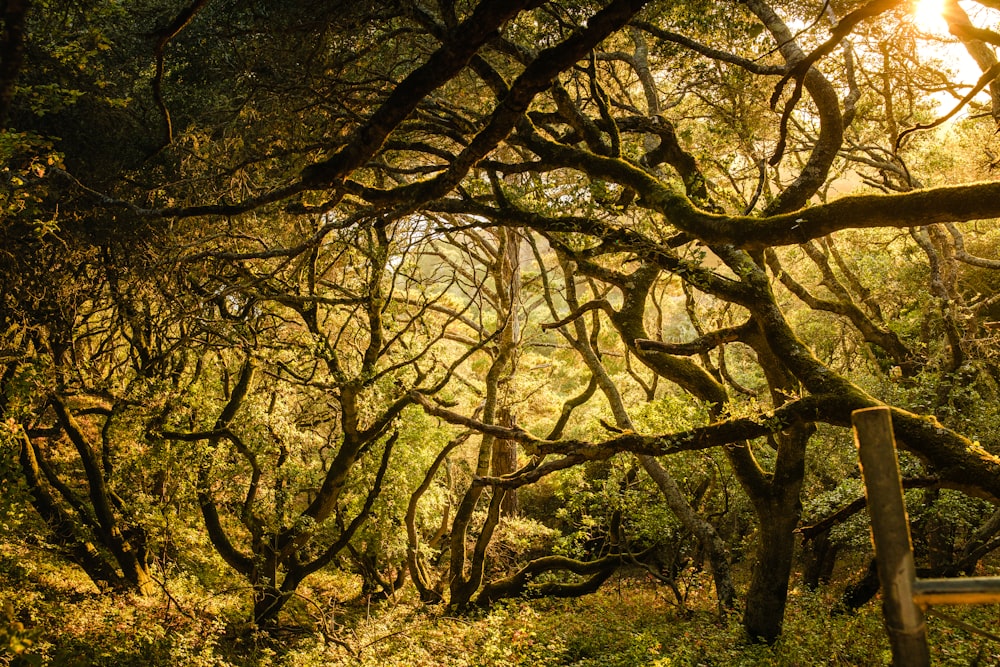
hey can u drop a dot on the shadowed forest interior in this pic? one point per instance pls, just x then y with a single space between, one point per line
496 332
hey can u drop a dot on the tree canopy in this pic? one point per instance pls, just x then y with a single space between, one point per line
350 282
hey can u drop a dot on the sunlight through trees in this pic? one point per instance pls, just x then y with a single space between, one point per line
313 304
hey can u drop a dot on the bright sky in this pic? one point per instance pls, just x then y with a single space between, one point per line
927 17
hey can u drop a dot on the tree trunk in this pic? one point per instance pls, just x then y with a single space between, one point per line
496 410
507 278
778 511
714 545
64 530
820 556
505 461
267 602
268 596
135 566
768 592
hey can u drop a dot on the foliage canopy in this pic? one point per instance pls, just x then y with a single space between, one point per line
313 285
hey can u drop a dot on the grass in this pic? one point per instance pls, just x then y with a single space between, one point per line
631 621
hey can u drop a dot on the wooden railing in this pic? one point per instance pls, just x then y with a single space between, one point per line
904 597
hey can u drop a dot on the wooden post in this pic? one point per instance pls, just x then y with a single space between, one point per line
961 590
904 621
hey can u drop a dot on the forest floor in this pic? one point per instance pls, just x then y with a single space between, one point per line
55 616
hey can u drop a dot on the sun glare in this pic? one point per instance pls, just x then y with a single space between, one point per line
927 16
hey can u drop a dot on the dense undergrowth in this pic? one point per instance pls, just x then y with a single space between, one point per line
53 615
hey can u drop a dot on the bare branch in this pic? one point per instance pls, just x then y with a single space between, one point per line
702 344
164 36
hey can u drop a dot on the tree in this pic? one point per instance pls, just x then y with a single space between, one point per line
700 142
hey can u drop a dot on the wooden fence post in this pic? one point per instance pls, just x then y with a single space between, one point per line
904 620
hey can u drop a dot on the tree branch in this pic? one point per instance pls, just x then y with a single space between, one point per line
164 36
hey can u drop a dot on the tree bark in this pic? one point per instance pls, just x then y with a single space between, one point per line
64 529
778 512
715 547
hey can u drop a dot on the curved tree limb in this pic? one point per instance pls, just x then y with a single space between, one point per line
163 37
519 583
702 344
